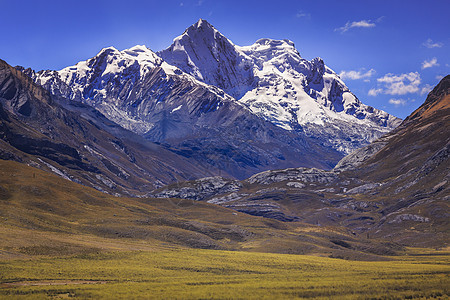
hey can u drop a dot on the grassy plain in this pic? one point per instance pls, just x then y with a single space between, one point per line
216 274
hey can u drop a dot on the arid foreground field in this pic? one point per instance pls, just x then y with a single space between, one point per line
215 274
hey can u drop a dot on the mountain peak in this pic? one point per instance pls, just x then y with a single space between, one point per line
199 35
201 22
203 52
269 48
275 43
437 100
439 92
200 29
108 50
139 48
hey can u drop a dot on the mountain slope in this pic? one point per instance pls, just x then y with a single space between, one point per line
413 168
78 143
397 188
422 136
276 83
42 214
140 92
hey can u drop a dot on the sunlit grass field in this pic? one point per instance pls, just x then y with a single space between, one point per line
213 274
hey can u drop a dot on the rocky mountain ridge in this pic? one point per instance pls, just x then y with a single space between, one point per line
276 83
79 143
396 188
242 110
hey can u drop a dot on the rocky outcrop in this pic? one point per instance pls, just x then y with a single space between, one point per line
300 174
198 190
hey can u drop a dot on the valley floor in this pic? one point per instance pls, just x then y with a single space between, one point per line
214 274
60 239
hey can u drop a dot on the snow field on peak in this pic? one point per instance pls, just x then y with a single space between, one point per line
113 63
283 88
269 78
280 95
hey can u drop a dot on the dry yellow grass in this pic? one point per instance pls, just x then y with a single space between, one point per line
213 274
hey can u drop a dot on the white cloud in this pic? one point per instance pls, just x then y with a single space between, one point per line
408 83
356 24
431 63
429 44
426 89
375 92
355 75
400 84
397 102
439 77
302 14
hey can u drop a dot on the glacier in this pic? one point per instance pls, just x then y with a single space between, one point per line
242 109
276 83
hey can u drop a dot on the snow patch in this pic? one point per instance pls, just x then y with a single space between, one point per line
176 108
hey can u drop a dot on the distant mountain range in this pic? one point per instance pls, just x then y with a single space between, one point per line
241 110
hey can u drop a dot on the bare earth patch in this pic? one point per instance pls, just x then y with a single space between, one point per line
53 282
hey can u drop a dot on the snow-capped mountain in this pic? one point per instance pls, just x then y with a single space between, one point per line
241 109
276 83
139 91
136 89
210 57
78 143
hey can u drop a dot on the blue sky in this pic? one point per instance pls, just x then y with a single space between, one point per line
389 53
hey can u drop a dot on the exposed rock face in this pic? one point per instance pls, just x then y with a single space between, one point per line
408 217
79 143
200 189
396 188
359 156
300 174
